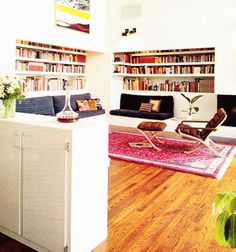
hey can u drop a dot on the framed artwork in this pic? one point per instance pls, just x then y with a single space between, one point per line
73 14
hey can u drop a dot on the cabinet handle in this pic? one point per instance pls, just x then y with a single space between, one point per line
25 141
67 146
17 140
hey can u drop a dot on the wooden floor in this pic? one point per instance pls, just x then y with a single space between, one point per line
158 210
9 245
153 209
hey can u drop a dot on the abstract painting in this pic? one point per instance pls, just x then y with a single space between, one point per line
73 14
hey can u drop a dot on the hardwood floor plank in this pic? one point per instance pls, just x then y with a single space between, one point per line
153 209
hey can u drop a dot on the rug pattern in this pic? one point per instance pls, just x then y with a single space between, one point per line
171 155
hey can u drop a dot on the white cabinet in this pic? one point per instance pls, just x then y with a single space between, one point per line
10 182
45 167
54 181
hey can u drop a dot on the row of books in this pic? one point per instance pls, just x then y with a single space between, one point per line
199 85
205 69
122 57
176 50
29 43
173 58
45 55
50 84
48 67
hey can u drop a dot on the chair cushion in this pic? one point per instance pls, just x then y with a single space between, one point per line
214 122
152 126
188 130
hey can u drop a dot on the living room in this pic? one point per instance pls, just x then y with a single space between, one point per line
138 189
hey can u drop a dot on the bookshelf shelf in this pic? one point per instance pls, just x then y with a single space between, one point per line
185 70
165 64
163 75
25 59
45 47
175 52
49 67
38 73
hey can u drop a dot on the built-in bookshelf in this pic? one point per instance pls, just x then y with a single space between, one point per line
183 70
49 67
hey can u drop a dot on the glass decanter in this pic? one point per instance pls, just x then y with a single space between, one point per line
67 115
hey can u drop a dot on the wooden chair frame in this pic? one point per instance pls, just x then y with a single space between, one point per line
206 141
153 134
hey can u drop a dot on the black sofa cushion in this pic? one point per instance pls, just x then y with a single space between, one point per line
133 102
88 113
141 114
36 105
130 104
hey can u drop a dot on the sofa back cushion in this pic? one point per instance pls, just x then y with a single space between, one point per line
59 101
36 105
133 102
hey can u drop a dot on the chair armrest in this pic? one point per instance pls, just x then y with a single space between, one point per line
200 128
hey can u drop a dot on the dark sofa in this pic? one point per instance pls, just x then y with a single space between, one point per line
130 104
51 105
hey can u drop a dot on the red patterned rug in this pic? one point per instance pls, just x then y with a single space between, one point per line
171 155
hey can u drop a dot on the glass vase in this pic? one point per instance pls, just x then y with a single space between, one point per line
9 108
67 115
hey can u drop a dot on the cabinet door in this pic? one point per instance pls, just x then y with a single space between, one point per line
10 183
45 188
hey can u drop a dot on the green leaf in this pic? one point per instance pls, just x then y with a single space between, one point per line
220 228
232 231
185 97
217 205
223 201
195 98
233 205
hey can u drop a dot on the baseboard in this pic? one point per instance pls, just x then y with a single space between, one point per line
227 140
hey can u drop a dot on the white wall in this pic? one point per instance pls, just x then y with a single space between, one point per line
34 20
171 24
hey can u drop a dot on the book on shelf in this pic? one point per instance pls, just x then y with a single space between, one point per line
40 83
147 59
199 85
197 70
76 83
206 85
36 66
122 57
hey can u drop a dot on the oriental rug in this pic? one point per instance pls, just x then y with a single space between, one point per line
126 146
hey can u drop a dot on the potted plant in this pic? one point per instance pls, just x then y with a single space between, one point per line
11 89
225 206
191 109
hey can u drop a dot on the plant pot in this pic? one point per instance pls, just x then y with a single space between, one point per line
9 108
